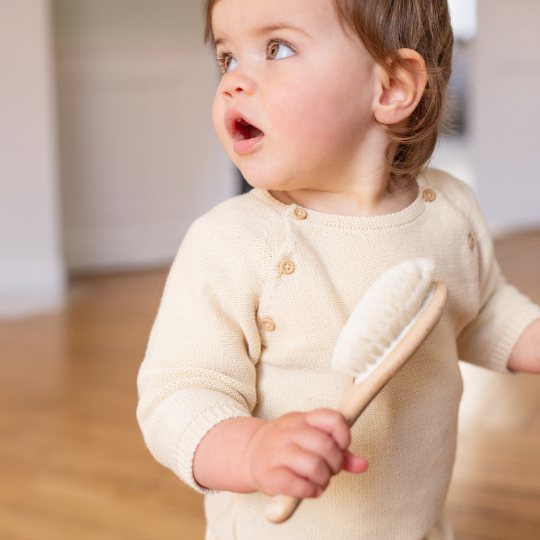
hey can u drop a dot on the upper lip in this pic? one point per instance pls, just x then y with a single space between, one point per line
235 120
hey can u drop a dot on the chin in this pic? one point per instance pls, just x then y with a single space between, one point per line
264 182
262 179
266 175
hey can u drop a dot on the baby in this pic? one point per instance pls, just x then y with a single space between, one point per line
331 109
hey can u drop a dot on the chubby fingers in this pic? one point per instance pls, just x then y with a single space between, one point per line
354 464
298 453
321 446
332 423
287 482
307 474
310 466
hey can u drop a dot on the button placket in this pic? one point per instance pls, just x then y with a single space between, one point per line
429 195
286 267
268 325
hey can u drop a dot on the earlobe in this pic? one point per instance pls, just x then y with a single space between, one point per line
401 90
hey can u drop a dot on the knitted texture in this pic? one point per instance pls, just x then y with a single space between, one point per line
238 333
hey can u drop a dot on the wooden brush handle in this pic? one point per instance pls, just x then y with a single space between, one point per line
281 508
359 396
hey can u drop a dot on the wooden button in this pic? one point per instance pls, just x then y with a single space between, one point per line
286 267
299 213
268 324
471 241
429 195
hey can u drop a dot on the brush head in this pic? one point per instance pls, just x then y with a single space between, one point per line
383 314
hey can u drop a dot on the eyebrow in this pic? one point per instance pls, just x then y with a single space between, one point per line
268 29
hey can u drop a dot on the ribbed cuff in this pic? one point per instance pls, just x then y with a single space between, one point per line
194 432
500 355
174 428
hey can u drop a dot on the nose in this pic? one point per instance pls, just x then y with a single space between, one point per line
237 82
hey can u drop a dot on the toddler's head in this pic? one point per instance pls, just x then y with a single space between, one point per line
311 87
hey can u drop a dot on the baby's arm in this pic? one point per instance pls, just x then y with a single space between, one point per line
526 353
296 454
505 333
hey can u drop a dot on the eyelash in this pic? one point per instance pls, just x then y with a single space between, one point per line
223 55
221 58
279 42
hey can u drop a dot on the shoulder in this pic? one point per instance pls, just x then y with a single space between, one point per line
451 188
235 237
459 210
244 218
456 195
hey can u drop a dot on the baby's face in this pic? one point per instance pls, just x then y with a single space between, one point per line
294 106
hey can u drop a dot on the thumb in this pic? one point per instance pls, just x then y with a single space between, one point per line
354 464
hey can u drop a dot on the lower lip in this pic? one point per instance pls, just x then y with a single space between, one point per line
244 146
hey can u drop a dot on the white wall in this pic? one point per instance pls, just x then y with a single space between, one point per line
506 112
140 160
463 13
31 268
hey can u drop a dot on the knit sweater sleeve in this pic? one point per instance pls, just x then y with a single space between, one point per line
199 367
503 312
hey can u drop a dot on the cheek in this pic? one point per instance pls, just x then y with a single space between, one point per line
297 108
320 112
312 117
218 115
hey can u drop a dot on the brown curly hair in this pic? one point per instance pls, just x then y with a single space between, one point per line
384 27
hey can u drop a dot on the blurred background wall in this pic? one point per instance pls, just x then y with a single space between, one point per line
107 150
139 157
505 112
32 269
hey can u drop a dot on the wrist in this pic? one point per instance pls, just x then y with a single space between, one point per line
219 459
249 455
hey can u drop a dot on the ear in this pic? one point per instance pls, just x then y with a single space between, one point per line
399 94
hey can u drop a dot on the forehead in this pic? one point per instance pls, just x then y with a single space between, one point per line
249 16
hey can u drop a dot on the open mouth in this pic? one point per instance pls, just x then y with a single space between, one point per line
244 134
244 130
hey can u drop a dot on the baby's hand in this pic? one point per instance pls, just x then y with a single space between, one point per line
298 453
526 353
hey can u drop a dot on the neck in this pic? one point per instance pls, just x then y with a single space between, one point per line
370 197
357 183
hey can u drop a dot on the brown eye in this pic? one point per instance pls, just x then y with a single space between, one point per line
277 50
273 50
227 63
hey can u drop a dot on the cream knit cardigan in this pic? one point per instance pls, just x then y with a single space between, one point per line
237 336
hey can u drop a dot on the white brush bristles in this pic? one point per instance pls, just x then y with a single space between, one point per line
384 311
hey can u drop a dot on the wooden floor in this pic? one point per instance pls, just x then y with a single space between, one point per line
73 465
